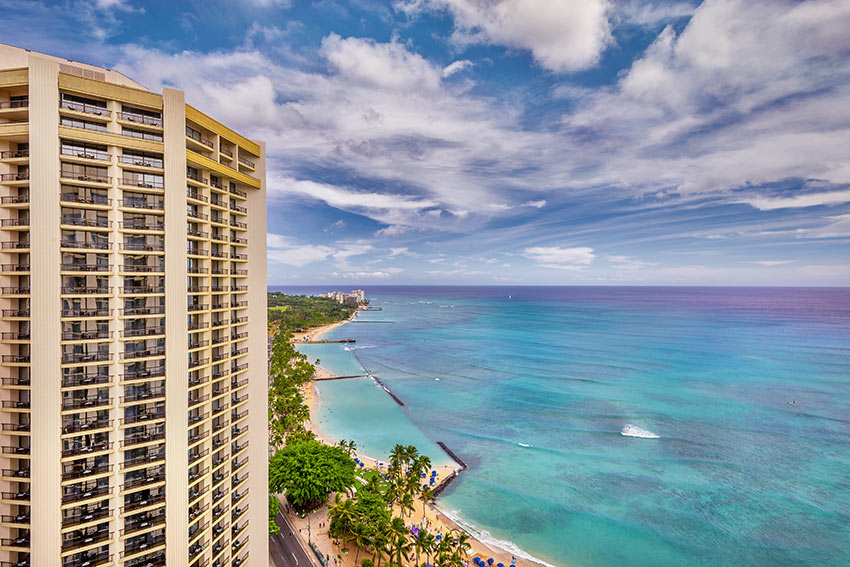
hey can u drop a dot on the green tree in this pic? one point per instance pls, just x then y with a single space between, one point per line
273 509
307 472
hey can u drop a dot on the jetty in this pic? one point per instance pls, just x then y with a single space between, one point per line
318 341
371 308
320 378
451 454
362 321
387 390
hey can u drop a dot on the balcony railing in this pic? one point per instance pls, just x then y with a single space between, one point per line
136 225
84 245
82 177
144 183
78 495
87 312
239 192
195 135
85 403
79 450
85 153
79 357
85 335
74 380
144 310
152 204
143 417
192 194
15 154
74 472
20 103
196 177
141 161
142 246
246 161
17 176
85 108
85 425
15 199
82 221
156 372
143 332
140 119
72 267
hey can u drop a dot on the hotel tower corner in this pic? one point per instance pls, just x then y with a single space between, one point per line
134 375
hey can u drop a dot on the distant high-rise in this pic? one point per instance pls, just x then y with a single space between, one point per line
134 377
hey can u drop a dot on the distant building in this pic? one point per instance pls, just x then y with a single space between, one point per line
355 296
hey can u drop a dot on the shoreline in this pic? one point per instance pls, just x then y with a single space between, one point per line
436 519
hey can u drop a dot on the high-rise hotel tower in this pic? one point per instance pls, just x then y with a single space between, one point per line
133 231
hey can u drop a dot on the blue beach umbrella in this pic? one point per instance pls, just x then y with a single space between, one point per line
490 561
422 475
439 537
424 486
361 464
356 460
500 565
476 560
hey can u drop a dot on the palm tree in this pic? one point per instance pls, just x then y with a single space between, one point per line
427 495
406 503
397 536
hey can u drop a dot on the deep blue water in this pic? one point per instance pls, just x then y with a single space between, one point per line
735 404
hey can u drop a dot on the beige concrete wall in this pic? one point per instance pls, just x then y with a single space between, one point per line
176 318
258 370
46 328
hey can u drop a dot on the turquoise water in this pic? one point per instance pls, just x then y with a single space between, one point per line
621 426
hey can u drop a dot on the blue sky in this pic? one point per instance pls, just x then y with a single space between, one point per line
512 141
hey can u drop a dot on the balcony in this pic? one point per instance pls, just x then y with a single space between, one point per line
80 379
76 471
104 179
140 438
79 426
80 449
150 457
156 351
141 161
140 119
17 473
20 496
85 515
142 543
143 417
84 245
156 372
81 221
16 176
85 199
142 268
16 358
198 137
15 268
148 479
85 153
80 495
139 225
196 177
239 192
86 290
143 332
15 290
86 335
144 310
86 539
152 204
197 215
192 194
193 419
142 247
15 200
66 267
88 560
85 403
16 427
142 289
13 154
198 233
144 395
154 560
143 521
85 108
81 357
87 312
143 183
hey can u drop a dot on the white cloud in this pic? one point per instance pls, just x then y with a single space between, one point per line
535 204
392 230
382 65
555 257
628 263
567 35
797 201
456 67
335 226
362 275
285 250
837 227
648 13
771 263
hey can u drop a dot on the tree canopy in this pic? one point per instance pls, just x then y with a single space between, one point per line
293 312
307 472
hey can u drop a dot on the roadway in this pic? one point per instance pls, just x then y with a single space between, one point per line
285 549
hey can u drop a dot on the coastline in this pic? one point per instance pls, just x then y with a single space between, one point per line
436 519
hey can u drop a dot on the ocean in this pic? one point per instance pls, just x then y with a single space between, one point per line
610 426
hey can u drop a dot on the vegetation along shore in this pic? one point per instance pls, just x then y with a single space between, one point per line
355 511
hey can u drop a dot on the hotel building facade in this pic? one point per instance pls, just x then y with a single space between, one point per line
134 372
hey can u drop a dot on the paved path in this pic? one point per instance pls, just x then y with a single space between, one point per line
285 550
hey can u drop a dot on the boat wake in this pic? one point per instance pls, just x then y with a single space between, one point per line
523 445
484 537
630 430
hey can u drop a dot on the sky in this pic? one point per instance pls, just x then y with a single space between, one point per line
574 142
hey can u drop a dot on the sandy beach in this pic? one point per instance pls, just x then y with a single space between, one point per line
434 519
